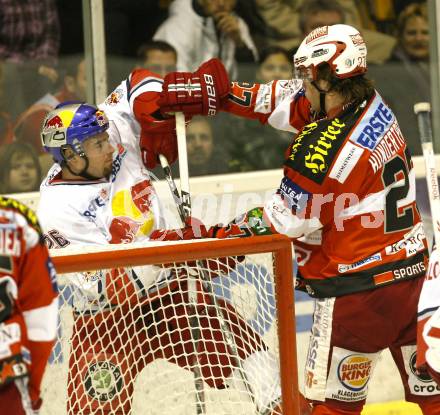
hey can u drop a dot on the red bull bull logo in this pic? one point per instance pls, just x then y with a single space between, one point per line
114 97
62 119
54 122
101 118
354 372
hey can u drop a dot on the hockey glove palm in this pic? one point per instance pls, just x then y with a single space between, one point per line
195 93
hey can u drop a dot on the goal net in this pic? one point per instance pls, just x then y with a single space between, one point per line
205 327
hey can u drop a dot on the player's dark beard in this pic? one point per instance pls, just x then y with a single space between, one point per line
107 172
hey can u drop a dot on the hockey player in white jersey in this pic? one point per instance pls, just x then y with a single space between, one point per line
99 192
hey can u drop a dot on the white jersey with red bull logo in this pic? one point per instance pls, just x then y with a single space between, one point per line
122 208
347 197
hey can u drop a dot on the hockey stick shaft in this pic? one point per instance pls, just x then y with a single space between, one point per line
184 211
173 188
423 113
206 281
183 164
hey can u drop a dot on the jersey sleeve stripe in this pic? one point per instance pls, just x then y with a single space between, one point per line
42 322
147 85
154 84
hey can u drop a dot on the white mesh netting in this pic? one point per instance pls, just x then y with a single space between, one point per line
197 337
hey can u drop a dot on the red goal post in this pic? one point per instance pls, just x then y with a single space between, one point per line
279 246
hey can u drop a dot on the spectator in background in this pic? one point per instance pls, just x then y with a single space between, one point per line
408 71
28 124
29 47
158 57
319 13
204 156
203 29
274 63
19 169
252 146
412 34
283 17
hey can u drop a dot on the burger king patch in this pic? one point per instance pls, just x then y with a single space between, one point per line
349 375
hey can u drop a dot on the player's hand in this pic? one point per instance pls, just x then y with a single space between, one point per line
249 224
195 93
231 230
158 138
227 23
194 229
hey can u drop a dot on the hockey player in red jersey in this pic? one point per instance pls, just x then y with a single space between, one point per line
98 192
28 308
347 199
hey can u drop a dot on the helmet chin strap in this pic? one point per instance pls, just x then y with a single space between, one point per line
322 93
83 172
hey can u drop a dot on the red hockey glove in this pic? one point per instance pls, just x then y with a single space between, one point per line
197 93
249 224
158 137
194 229
232 230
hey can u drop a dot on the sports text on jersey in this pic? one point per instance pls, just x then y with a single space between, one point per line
117 163
387 147
298 142
400 273
97 202
316 159
412 242
294 196
10 244
316 146
374 125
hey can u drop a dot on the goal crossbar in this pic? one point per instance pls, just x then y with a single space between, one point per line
278 245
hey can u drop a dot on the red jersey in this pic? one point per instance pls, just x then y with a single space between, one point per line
28 297
347 197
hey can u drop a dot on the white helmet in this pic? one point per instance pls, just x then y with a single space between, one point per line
339 45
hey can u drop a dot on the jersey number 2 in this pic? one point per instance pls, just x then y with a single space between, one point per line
393 170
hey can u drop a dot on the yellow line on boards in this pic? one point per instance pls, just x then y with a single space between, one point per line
392 408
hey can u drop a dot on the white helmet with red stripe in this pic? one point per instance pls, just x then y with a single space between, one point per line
339 45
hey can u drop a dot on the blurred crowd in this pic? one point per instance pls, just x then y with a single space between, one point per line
42 64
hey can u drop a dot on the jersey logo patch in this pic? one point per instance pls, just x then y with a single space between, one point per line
114 97
316 146
292 194
372 127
